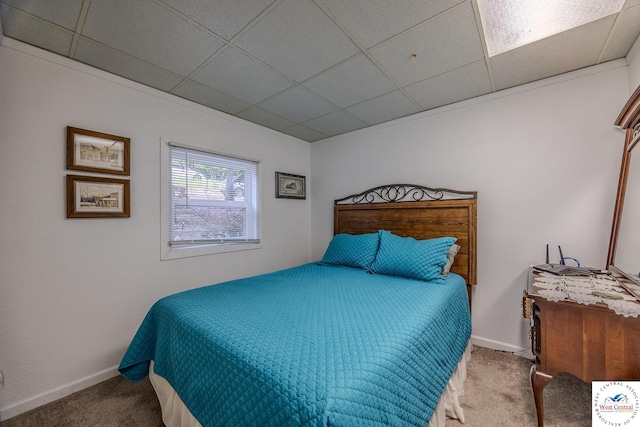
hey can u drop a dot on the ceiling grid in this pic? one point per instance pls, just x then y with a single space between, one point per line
310 68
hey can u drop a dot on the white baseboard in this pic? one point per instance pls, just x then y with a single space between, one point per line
501 346
55 394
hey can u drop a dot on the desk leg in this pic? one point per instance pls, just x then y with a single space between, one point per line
538 381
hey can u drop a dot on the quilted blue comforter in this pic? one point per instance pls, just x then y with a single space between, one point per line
314 345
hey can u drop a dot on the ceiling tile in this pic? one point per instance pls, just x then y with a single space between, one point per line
351 82
224 17
463 83
265 118
443 43
292 65
209 97
625 34
297 39
298 104
304 133
139 28
34 31
387 107
60 12
372 21
335 123
236 74
571 50
124 65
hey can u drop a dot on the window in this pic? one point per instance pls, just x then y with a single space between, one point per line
210 202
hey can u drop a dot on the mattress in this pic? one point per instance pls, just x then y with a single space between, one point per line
314 345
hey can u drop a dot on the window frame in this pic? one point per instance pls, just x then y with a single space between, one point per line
169 251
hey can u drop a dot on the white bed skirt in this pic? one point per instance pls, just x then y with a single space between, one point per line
176 414
449 404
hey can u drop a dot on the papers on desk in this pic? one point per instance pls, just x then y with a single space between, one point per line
567 270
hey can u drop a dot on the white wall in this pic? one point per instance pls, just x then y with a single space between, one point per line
543 157
74 291
633 59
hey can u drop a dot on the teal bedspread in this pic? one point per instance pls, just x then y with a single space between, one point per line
314 345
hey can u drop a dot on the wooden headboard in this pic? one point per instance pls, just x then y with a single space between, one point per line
415 211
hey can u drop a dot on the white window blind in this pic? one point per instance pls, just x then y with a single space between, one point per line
213 199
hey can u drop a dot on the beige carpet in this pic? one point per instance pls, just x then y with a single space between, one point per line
113 403
497 394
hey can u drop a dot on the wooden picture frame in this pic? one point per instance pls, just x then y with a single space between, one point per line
91 151
290 186
96 197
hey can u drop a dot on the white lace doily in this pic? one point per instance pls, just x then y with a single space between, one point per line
553 295
587 290
625 308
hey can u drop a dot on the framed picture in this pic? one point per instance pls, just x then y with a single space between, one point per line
289 186
95 197
97 152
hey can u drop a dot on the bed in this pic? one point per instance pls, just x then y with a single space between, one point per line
372 334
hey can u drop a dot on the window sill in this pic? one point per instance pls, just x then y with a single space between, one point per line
201 250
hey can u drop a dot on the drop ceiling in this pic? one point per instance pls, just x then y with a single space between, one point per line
309 68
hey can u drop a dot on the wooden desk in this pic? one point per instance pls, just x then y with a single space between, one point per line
591 342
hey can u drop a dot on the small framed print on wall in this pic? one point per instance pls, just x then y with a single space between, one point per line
289 186
97 152
95 197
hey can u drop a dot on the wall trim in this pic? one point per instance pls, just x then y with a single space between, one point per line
57 393
501 346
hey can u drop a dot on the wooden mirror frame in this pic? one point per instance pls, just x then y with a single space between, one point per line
629 119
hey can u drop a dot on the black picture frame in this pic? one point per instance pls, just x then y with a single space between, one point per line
290 186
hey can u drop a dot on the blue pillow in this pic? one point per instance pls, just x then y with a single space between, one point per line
358 250
408 257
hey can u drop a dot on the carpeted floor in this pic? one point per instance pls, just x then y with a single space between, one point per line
112 403
497 394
